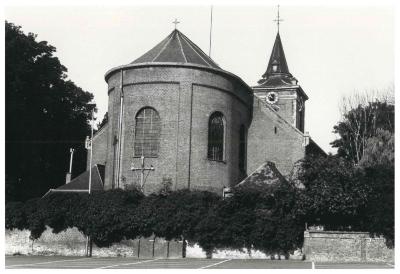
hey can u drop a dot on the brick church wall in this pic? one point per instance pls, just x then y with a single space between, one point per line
270 138
185 98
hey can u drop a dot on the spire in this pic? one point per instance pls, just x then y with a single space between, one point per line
277 62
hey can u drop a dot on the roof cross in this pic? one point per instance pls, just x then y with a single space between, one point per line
278 20
176 22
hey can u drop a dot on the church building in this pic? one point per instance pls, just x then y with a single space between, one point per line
176 116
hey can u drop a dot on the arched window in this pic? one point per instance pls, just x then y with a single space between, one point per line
242 149
147 133
216 137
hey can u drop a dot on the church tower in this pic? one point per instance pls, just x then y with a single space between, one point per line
279 89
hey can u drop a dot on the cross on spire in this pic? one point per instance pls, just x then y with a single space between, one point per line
278 20
176 22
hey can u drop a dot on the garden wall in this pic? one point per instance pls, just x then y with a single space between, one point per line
71 242
323 246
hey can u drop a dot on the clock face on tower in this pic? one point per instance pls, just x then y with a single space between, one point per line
272 97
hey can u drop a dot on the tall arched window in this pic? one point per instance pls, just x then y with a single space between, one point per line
216 137
242 149
147 133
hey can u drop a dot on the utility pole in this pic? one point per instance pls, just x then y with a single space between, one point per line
89 145
142 170
69 174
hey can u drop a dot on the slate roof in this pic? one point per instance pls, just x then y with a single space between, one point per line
277 58
266 174
278 81
81 183
281 77
177 48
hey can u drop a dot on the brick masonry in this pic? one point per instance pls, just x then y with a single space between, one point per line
272 138
338 246
71 242
319 246
185 97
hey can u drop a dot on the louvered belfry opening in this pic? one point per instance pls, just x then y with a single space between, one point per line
147 133
216 137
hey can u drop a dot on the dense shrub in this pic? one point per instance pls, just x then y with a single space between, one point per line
269 218
15 216
255 217
335 194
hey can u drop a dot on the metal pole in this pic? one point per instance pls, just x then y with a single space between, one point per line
71 150
88 241
142 174
91 154
121 110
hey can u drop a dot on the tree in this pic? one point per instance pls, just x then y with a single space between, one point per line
335 194
378 163
46 114
379 150
379 213
362 116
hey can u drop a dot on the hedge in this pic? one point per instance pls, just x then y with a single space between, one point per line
264 219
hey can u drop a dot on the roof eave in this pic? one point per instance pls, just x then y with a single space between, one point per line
298 87
174 64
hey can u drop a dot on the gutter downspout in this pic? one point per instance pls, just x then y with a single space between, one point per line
120 130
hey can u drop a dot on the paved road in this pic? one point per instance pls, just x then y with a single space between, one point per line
58 262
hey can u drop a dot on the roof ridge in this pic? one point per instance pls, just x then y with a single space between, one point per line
188 42
164 47
183 53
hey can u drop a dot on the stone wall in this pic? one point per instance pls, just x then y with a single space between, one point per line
73 243
321 246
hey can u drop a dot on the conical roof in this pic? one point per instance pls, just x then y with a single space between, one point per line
277 74
277 59
177 48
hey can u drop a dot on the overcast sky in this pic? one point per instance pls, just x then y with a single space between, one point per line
332 50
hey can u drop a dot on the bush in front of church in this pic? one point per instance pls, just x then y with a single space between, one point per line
255 217
334 193
105 216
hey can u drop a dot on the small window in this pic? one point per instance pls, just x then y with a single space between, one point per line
216 137
275 130
147 133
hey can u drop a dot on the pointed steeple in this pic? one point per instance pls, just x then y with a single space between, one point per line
277 64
